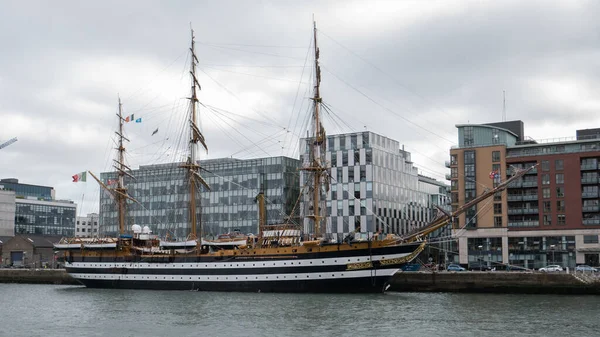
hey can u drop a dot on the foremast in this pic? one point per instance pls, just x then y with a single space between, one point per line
192 166
119 193
317 168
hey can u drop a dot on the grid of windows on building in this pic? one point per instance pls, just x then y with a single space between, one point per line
374 186
87 226
230 204
45 217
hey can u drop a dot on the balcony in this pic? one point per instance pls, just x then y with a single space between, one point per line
523 224
515 184
447 162
531 211
530 197
448 176
533 170
589 180
591 208
530 183
515 197
588 195
587 167
593 222
515 211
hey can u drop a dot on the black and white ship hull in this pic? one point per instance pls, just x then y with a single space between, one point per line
348 272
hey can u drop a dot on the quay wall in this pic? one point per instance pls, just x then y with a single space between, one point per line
495 282
36 276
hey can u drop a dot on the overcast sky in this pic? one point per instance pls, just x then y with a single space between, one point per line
410 70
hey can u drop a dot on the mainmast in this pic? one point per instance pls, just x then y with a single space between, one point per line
317 149
195 138
121 190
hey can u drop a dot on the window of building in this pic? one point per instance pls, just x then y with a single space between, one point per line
369 156
470 170
546 192
497 221
333 159
559 164
495 156
454 172
330 143
495 136
354 141
560 205
453 159
345 158
547 219
545 165
351 174
547 207
454 196
363 173
545 179
560 178
468 134
561 219
469 157
560 192
496 168
498 196
590 239
497 208
365 139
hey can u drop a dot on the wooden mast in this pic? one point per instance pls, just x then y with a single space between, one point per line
121 189
195 138
317 152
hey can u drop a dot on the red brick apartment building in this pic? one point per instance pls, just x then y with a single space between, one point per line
551 215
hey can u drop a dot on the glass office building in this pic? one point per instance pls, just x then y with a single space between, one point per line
230 204
26 190
45 217
374 186
36 211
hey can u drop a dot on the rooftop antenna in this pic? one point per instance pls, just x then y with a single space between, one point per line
503 105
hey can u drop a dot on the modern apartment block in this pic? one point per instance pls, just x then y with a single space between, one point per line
37 212
374 185
87 226
229 205
551 215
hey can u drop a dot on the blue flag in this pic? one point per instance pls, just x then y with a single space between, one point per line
139 120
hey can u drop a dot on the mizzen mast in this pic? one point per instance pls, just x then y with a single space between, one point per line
196 137
317 165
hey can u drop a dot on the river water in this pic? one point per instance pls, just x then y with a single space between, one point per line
49 310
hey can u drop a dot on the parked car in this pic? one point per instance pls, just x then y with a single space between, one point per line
549 268
455 267
479 266
586 268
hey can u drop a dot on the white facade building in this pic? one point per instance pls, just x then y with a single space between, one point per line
87 226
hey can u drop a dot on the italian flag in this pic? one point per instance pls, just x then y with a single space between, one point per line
79 177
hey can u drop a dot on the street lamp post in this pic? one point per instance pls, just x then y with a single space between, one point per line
480 260
552 248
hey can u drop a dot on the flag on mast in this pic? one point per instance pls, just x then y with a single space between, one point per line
79 177
139 120
130 119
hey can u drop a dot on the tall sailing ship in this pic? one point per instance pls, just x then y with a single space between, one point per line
281 258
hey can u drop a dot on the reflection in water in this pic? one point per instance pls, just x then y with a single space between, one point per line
48 311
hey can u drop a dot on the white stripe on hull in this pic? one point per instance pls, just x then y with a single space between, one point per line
232 265
241 278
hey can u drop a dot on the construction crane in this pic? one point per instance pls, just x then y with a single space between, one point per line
8 142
